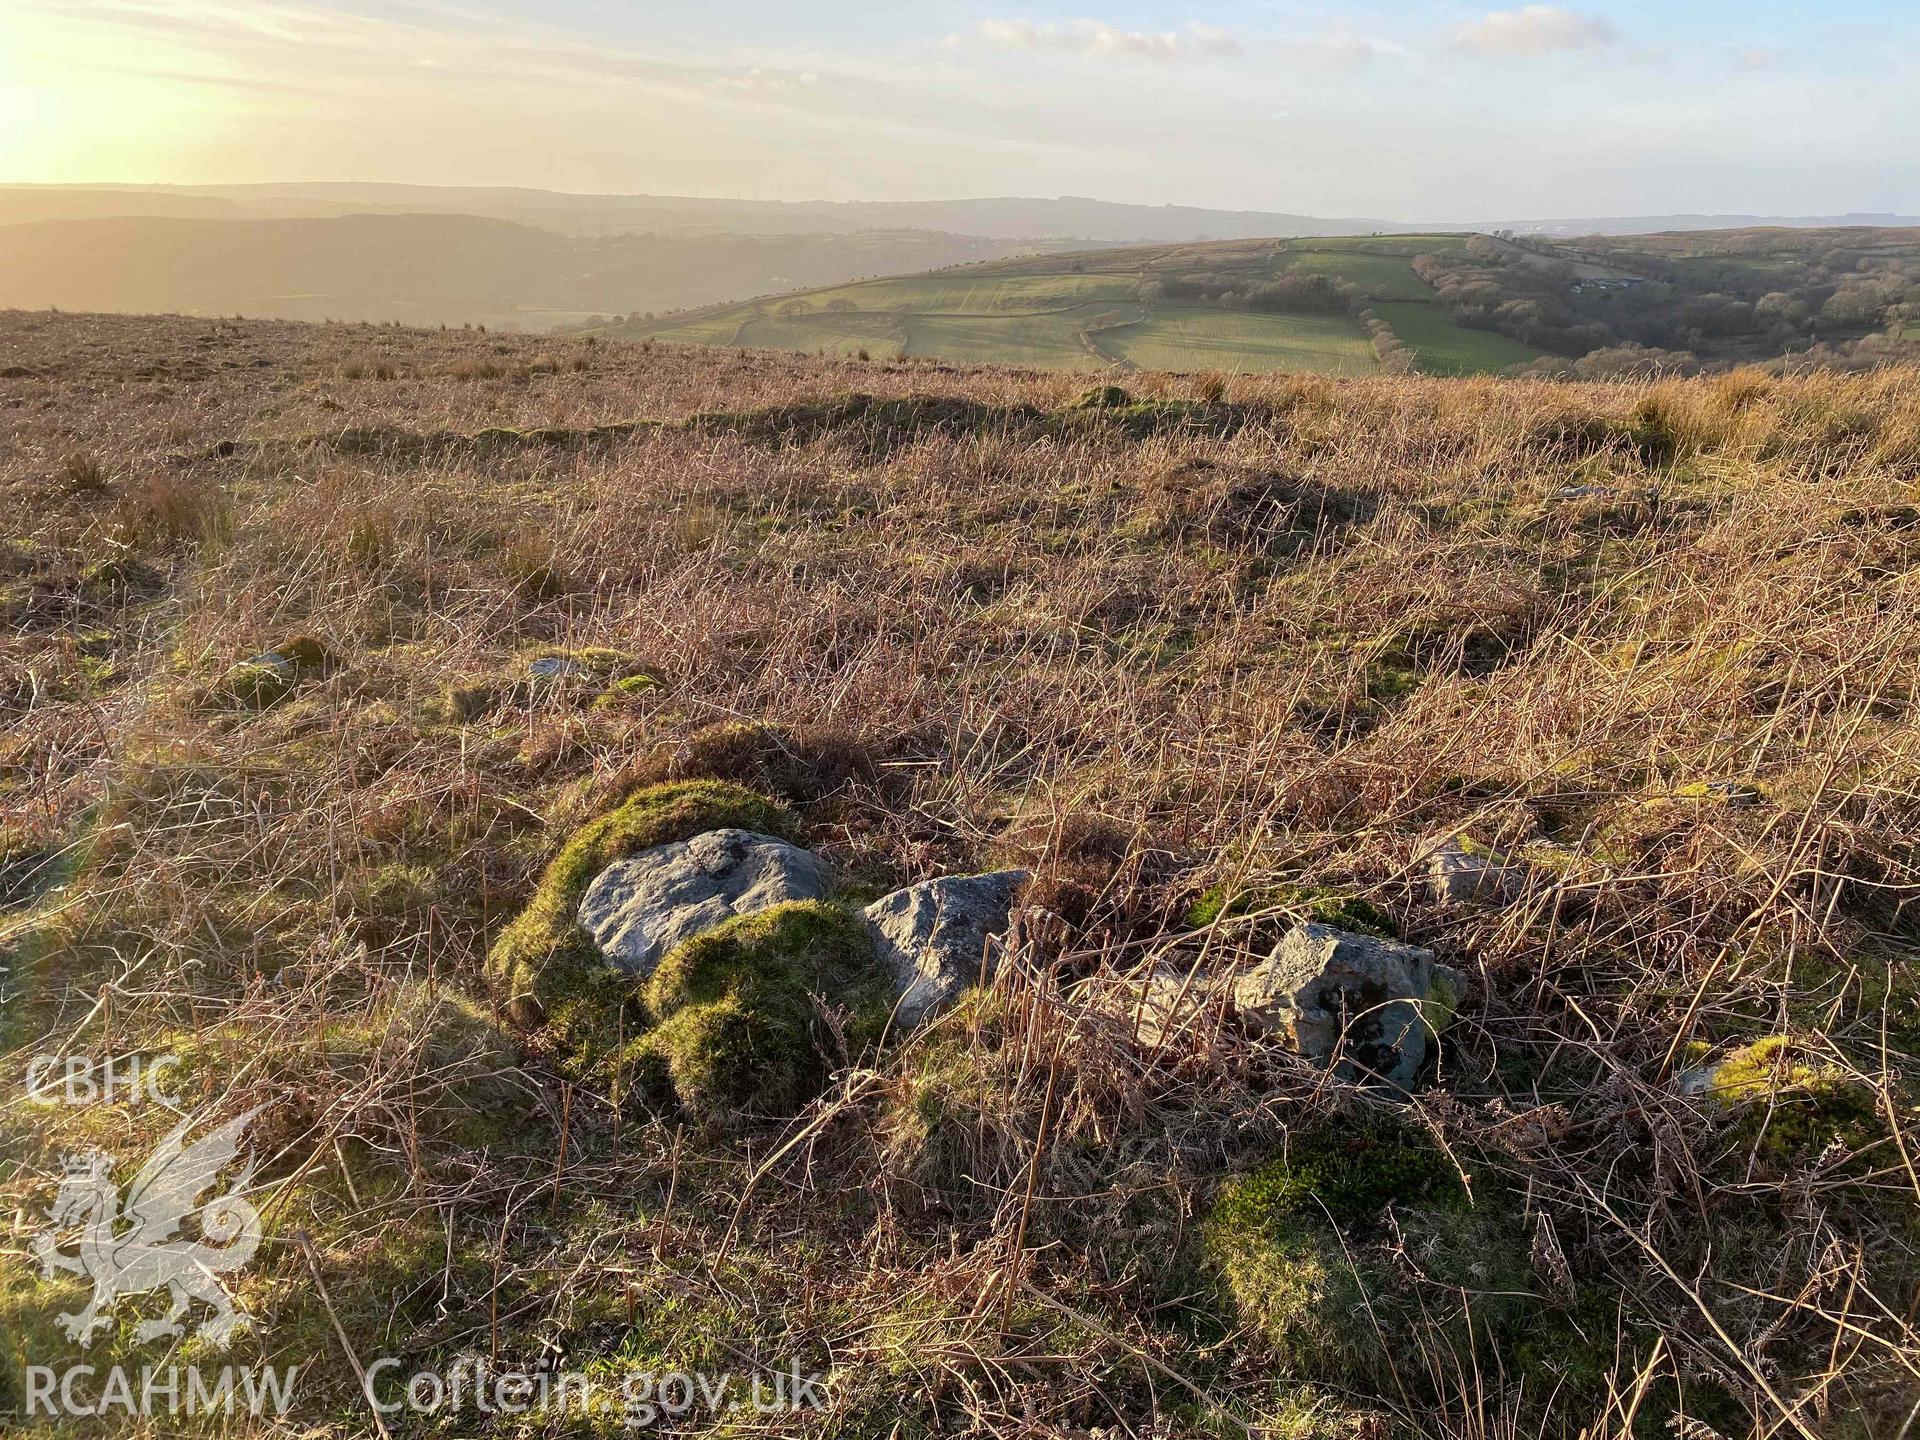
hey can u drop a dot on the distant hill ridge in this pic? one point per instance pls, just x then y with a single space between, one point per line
998 217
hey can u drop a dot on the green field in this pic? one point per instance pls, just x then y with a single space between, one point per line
1380 277
1381 268
834 334
1441 347
1094 309
1196 337
1051 341
970 292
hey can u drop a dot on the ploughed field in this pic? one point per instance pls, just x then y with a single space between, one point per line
339 660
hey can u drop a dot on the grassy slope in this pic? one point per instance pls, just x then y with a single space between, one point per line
1049 341
1195 337
1279 639
1032 312
1445 348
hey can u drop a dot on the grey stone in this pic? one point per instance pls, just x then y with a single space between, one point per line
935 937
1168 1002
1695 1081
640 907
558 667
1460 874
1371 1006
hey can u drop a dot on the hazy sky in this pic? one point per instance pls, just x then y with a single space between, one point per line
1393 110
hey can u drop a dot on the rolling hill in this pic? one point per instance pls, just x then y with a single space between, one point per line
1004 217
426 268
1443 304
1348 305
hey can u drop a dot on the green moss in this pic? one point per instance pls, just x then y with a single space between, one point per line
271 676
1787 1106
1442 1002
1303 1253
1731 792
544 967
738 1026
1102 397
944 1121
1328 904
305 652
1348 1177
1391 676
256 684
1141 418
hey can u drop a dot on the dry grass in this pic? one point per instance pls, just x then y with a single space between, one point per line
1280 637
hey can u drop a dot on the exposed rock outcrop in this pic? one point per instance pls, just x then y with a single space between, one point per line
936 937
640 907
1370 1007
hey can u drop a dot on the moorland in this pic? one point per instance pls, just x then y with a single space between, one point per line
1207 656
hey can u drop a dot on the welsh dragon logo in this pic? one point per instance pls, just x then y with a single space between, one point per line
131 1248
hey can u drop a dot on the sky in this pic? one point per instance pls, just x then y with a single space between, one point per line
1392 110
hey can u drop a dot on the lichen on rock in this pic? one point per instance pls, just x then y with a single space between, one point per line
1366 1006
937 937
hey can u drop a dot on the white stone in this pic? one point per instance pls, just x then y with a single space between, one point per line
1460 875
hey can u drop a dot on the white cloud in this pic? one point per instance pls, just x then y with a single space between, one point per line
1534 30
1095 37
1336 47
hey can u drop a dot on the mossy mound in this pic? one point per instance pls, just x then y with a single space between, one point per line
872 426
802 765
1102 397
270 677
739 1030
1138 419
475 1100
544 966
1304 1253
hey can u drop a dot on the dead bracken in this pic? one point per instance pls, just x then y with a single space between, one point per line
1193 682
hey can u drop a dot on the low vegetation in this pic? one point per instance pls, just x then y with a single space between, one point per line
1208 656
